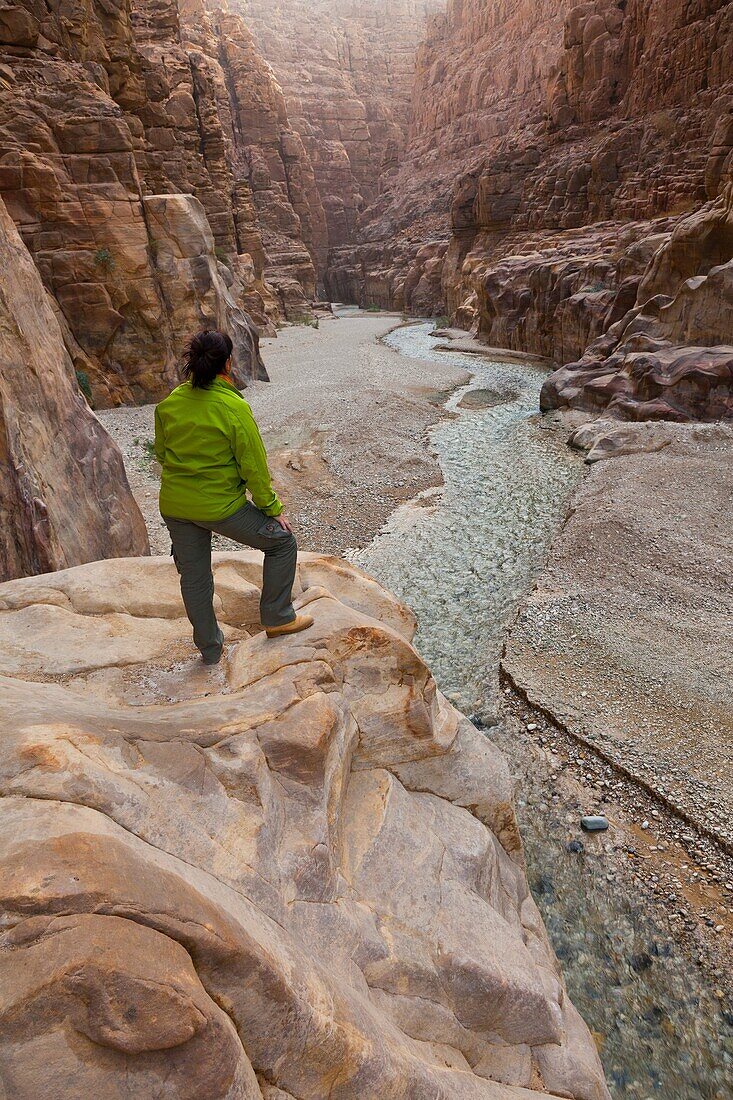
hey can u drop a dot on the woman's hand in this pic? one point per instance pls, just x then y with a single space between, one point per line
284 523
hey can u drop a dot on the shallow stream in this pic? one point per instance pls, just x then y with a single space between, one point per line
462 558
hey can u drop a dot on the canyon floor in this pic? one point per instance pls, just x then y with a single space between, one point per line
345 421
637 718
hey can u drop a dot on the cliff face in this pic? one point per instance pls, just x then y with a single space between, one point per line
347 72
554 150
64 497
102 112
297 875
481 74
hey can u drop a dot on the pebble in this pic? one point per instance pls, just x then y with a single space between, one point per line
594 824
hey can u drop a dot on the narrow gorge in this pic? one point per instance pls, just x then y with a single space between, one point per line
476 261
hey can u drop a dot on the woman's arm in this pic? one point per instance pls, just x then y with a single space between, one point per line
159 445
251 457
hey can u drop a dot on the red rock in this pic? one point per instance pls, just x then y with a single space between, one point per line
553 148
347 71
102 109
64 497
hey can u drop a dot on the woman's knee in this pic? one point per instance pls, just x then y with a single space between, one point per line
284 545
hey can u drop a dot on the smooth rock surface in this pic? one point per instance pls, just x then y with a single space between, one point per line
297 874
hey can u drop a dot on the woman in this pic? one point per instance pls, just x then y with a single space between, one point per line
212 455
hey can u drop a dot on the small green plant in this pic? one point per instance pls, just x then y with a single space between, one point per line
149 449
103 258
305 319
223 257
373 309
442 322
82 379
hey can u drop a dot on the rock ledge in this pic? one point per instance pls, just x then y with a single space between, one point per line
296 875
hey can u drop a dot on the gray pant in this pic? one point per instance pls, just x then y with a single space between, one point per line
191 547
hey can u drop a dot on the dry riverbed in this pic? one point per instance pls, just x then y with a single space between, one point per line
345 420
619 669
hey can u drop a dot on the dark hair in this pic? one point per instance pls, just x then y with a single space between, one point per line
205 355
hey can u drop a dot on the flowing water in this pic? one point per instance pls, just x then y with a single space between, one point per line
462 557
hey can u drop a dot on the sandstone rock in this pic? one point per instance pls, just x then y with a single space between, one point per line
195 294
103 109
276 878
557 143
346 70
64 497
671 356
602 439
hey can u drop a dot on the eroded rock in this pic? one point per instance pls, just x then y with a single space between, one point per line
670 357
64 496
296 874
105 112
550 198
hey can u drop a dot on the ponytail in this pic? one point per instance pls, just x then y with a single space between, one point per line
205 356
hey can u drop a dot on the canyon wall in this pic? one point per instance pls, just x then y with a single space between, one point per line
146 157
64 497
347 72
556 154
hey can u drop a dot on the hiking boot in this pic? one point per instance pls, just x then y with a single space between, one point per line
300 622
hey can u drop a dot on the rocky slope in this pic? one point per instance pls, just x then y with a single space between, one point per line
670 357
105 113
64 497
296 875
559 156
347 71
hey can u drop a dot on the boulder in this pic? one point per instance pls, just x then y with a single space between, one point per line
293 875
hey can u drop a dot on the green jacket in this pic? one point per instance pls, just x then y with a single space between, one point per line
212 454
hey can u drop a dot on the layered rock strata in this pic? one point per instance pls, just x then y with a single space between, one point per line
64 497
296 875
215 122
347 72
554 149
480 77
105 114
671 356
